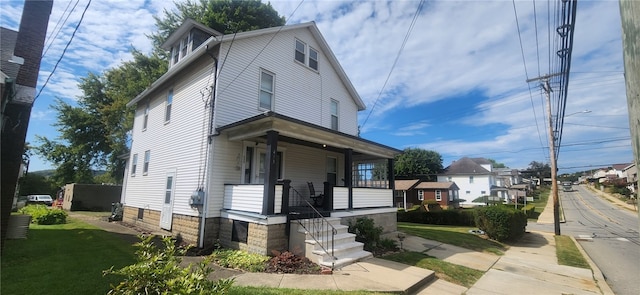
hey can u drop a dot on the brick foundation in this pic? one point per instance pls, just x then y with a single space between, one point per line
261 239
184 227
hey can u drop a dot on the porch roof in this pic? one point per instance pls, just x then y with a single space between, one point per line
303 133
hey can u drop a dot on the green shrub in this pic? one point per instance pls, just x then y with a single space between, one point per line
529 210
366 232
158 271
443 217
501 223
240 260
41 214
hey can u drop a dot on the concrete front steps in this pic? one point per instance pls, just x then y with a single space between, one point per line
345 248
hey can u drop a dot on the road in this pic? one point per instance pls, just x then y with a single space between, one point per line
607 233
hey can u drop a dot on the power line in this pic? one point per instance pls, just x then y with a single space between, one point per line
404 42
261 50
526 74
63 51
55 35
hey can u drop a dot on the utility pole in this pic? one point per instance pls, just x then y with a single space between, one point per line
552 151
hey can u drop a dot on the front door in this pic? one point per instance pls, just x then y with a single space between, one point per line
260 165
166 215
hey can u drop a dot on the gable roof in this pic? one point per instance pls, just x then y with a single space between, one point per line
437 185
215 40
405 185
620 167
466 166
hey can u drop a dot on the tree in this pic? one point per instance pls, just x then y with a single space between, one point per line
539 169
418 163
495 164
224 16
95 132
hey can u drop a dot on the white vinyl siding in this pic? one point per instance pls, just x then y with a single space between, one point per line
188 128
300 93
481 183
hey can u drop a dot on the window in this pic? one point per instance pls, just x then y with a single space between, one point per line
449 179
167 112
438 195
184 47
313 59
134 164
145 167
468 192
483 193
266 90
332 170
334 114
421 195
300 49
175 52
470 179
145 119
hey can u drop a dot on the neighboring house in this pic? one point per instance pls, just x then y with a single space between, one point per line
444 193
225 143
414 191
631 172
405 194
475 178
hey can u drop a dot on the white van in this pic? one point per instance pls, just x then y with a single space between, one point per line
40 199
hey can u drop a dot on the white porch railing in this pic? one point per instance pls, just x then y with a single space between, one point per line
249 198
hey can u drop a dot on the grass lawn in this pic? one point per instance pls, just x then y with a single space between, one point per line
540 200
62 259
454 235
70 258
568 253
457 274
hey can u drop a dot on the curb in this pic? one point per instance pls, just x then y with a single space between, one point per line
597 274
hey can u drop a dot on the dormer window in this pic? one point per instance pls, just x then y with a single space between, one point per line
187 39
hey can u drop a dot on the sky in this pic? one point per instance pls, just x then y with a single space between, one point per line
451 78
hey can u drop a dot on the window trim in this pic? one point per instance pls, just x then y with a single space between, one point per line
272 91
145 119
471 179
420 195
168 104
311 49
438 195
147 159
134 164
303 52
336 114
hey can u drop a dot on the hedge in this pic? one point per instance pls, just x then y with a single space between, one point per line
443 217
501 223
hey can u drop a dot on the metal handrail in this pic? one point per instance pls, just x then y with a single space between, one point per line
319 228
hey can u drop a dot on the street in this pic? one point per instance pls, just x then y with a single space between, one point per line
609 235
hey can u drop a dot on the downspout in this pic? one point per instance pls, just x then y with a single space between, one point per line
210 151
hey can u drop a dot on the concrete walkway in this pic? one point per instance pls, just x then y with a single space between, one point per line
528 267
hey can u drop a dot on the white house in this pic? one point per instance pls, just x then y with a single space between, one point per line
475 178
226 142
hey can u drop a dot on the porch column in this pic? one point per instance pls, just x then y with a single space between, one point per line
270 174
391 174
348 174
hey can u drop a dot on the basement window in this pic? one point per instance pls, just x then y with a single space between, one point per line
240 231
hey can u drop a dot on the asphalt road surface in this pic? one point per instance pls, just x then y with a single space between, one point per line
608 234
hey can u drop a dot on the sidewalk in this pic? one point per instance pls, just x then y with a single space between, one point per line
529 267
